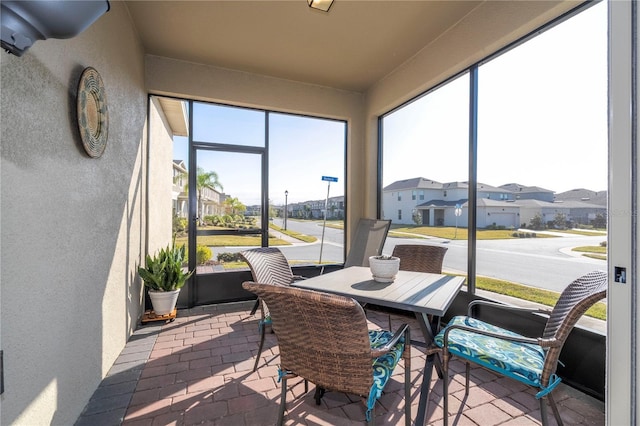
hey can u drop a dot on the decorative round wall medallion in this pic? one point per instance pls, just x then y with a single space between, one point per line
93 117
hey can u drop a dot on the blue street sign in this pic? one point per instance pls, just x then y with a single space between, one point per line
330 179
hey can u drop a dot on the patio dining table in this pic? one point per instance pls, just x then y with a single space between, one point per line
423 294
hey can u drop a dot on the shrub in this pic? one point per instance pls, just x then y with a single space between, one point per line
203 254
536 222
230 257
179 225
603 244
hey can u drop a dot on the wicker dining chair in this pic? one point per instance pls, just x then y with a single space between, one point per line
420 257
268 265
531 361
323 338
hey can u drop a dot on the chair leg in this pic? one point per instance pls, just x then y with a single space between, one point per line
372 419
445 387
554 408
318 394
283 400
262 327
543 412
466 380
407 390
255 307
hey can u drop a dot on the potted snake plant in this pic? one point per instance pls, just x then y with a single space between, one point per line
164 276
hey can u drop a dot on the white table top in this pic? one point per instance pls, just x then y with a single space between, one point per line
418 292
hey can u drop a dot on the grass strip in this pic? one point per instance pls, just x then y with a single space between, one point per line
233 241
591 249
293 234
450 233
532 294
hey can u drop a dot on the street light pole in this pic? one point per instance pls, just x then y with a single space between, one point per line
286 195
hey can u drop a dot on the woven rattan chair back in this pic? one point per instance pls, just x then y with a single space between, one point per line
368 240
268 265
420 257
321 337
574 301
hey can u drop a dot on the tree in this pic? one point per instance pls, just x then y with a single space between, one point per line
417 217
600 221
234 207
560 221
205 180
536 222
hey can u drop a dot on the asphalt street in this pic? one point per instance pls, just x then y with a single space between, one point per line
546 263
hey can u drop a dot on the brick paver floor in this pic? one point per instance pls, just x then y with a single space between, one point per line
198 370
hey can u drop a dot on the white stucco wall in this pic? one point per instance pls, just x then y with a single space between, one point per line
160 178
72 226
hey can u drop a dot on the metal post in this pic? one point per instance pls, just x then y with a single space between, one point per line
324 225
286 195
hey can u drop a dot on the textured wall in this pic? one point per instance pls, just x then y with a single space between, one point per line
160 178
72 227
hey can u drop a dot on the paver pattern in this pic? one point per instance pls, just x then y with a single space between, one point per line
197 370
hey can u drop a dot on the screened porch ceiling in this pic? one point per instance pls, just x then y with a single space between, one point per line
354 45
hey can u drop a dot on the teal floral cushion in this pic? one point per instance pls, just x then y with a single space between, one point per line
521 361
382 366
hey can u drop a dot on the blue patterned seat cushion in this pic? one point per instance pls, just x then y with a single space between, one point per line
521 361
382 366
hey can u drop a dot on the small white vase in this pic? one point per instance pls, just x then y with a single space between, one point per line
163 301
384 270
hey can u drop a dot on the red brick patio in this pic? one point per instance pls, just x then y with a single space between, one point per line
198 370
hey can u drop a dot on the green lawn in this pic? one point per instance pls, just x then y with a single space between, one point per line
586 232
591 249
594 252
450 233
293 234
232 241
532 294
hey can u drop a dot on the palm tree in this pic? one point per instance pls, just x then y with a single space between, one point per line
234 206
205 180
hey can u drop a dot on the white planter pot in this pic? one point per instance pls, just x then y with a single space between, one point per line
163 301
384 270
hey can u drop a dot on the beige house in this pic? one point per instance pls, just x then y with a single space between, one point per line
70 296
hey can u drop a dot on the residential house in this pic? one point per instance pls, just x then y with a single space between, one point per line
178 195
522 192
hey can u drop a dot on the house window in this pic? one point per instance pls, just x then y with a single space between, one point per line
399 214
413 195
421 195
399 197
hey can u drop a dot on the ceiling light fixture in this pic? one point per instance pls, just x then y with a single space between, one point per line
323 5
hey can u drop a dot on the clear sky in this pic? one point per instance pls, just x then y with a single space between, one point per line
302 150
542 122
542 116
